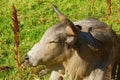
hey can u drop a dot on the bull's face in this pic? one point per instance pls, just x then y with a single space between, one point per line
55 45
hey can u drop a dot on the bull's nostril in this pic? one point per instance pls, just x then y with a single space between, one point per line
26 57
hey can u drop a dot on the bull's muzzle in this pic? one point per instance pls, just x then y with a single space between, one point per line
26 58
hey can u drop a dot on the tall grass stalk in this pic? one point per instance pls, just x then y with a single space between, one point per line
109 7
16 32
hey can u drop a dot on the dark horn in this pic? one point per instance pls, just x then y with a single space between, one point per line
61 16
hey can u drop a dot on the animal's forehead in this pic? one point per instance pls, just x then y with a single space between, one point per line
55 32
56 29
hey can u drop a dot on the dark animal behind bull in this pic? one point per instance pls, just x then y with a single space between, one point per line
84 53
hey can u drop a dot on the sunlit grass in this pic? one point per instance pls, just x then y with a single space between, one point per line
35 16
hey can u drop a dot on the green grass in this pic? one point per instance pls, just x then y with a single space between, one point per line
35 16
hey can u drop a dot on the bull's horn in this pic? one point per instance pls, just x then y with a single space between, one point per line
61 16
70 28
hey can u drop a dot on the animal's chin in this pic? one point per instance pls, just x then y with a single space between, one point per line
33 64
27 63
36 64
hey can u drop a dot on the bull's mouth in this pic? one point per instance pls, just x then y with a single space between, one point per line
27 62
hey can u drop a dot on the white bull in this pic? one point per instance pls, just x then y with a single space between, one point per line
86 49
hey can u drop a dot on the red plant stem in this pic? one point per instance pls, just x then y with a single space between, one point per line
16 32
17 52
109 7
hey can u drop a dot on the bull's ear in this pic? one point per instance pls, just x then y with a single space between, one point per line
72 29
70 41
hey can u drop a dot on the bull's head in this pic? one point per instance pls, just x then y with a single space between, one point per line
56 44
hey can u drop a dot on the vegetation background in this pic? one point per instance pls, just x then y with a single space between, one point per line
35 16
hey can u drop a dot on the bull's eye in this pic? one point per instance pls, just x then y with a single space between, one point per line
54 42
60 42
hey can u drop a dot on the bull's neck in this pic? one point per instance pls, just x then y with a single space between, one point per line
75 66
81 62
